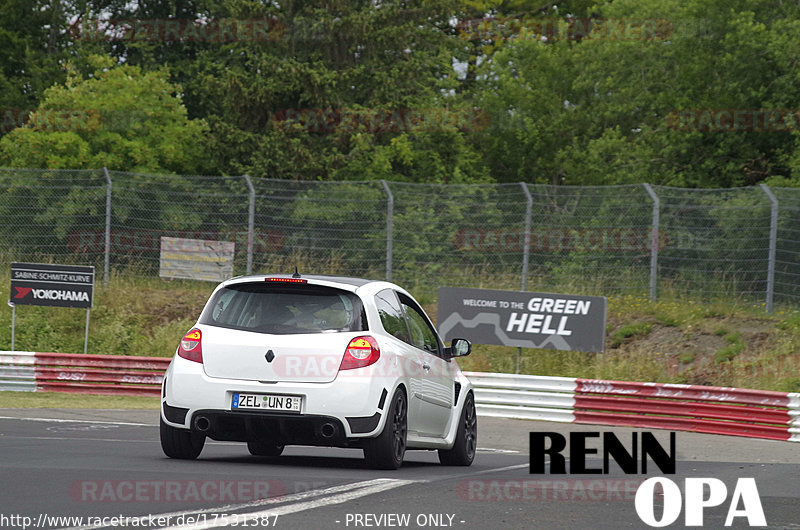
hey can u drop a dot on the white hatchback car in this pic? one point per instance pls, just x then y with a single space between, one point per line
318 360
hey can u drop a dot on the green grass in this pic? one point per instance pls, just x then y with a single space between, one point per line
735 346
629 330
24 400
677 340
721 343
130 317
727 353
687 358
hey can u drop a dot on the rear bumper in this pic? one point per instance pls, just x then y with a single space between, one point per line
333 414
286 429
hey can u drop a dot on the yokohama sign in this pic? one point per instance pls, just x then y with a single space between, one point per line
52 285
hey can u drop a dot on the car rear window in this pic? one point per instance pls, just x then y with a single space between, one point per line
284 309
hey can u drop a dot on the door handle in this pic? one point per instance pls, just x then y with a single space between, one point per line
426 367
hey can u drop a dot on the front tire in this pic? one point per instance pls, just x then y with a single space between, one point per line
463 451
386 451
180 443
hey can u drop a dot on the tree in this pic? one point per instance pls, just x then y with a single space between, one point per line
118 117
33 42
345 90
597 105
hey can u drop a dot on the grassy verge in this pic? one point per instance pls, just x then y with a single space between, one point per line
24 400
674 341
722 343
132 316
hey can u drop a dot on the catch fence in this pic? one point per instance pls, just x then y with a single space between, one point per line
633 239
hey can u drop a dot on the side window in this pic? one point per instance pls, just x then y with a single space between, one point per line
223 312
422 334
392 315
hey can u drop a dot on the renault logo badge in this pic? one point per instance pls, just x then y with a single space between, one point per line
269 356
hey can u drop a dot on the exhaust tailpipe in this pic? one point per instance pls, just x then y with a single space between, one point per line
327 430
202 423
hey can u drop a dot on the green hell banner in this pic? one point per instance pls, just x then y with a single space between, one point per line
523 319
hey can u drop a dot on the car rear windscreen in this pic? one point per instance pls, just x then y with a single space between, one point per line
284 309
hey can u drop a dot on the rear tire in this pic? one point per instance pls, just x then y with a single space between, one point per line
264 448
463 451
180 443
386 451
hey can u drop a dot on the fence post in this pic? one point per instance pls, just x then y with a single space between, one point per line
389 229
526 249
251 216
107 263
773 243
654 240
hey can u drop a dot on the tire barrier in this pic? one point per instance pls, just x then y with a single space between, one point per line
694 408
82 374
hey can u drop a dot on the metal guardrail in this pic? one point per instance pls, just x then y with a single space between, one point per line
704 409
527 397
695 408
84 374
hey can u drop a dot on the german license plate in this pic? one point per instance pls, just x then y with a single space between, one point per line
269 402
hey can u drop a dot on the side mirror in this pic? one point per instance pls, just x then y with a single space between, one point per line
460 348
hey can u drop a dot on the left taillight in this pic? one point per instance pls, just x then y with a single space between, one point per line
190 347
362 351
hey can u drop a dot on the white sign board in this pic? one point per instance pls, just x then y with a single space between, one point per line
196 259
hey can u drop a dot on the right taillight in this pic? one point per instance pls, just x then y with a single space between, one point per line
362 351
190 347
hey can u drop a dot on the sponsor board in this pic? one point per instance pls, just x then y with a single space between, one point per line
52 285
523 319
196 259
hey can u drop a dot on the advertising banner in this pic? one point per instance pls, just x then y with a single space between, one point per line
196 259
523 319
52 285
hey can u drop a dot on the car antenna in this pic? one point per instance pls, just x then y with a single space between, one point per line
296 273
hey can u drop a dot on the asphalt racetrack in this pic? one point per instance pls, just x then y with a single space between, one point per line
105 469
